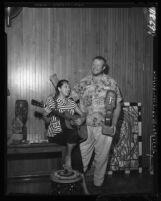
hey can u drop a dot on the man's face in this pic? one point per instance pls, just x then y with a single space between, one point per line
97 67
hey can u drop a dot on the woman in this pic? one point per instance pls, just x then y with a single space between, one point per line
58 132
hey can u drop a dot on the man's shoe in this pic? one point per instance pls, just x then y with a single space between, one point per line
96 190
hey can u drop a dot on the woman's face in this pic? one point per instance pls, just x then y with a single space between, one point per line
64 89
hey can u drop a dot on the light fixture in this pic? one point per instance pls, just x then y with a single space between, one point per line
10 13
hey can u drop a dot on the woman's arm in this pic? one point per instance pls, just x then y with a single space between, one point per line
78 110
82 117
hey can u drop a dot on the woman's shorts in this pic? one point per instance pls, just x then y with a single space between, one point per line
69 136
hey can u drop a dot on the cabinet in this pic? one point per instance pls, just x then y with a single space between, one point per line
34 159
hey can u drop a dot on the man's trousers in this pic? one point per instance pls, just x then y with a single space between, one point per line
100 144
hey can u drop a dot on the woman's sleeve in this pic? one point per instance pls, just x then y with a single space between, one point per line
49 105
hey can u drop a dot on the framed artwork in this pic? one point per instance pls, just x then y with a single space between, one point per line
126 150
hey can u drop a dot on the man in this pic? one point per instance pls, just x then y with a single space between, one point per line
92 92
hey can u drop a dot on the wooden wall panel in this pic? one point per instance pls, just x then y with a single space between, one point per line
43 41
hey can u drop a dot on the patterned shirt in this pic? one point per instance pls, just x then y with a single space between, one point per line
62 105
92 97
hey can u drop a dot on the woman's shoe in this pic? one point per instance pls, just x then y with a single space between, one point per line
67 167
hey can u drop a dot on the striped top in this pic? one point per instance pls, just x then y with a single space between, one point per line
62 105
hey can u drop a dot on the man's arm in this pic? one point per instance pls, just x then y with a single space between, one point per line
116 114
117 110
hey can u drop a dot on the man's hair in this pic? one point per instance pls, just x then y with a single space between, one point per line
106 69
100 58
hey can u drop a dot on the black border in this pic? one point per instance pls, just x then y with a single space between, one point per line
73 4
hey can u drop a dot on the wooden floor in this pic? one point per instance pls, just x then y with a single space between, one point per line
116 184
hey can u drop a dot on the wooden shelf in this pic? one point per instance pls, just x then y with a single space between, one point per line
35 148
34 159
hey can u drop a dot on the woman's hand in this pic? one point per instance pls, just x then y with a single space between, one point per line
78 121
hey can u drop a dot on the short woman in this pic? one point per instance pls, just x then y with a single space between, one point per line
58 129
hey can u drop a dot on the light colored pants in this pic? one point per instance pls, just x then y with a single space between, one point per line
101 144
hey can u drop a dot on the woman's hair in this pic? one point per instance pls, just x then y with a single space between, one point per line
59 85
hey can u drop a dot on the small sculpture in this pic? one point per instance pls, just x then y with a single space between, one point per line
110 104
21 112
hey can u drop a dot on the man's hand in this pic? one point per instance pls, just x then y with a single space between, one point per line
108 130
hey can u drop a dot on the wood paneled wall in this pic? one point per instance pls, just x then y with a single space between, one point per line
43 41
